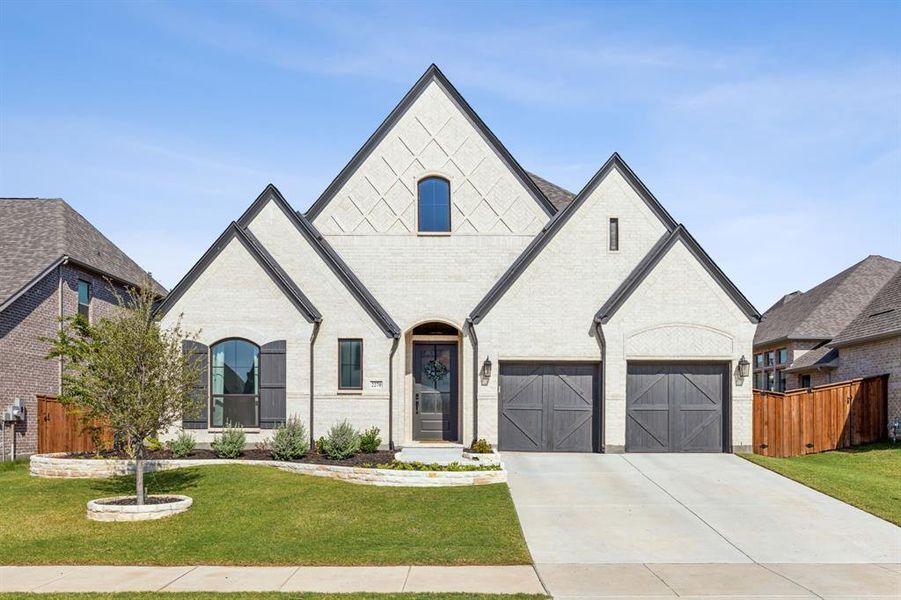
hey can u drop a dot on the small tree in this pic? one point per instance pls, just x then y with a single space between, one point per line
128 371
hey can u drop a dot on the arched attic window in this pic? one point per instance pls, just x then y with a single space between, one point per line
235 384
434 205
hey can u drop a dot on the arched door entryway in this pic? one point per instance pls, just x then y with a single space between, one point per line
435 348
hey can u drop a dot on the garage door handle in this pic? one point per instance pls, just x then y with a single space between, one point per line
417 404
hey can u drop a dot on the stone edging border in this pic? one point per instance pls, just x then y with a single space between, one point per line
56 466
97 511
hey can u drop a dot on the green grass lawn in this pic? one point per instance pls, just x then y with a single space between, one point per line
868 477
246 515
270 596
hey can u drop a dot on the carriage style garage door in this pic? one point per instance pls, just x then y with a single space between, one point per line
676 407
548 407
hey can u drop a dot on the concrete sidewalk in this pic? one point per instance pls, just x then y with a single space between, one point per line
493 579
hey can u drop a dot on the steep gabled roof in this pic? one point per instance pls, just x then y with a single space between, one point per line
328 255
823 311
262 257
540 241
38 234
654 256
880 318
433 73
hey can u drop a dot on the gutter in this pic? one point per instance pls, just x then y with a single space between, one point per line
394 344
313 337
475 378
602 386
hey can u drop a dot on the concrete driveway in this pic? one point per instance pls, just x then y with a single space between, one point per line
661 520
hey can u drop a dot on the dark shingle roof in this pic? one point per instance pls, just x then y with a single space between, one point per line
823 311
882 316
558 196
823 357
35 233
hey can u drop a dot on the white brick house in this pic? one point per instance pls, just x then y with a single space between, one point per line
439 292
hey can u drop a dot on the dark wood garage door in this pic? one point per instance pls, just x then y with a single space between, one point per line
676 407
548 407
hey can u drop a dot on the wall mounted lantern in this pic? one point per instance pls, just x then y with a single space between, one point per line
744 367
486 368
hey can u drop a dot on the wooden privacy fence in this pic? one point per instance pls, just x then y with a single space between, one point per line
838 415
61 429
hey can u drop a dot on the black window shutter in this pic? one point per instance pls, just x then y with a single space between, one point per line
273 400
199 355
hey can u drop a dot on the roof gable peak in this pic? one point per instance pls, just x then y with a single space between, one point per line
431 74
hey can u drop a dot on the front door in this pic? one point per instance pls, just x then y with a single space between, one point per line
435 391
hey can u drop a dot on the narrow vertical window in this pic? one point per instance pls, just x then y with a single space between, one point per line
84 299
614 235
350 364
434 205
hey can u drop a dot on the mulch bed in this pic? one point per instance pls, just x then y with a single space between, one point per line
132 501
380 457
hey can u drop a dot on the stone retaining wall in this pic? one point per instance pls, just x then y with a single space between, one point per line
60 467
99 511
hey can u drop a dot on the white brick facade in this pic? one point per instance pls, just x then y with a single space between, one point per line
679 312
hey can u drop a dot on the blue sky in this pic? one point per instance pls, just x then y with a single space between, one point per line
772 130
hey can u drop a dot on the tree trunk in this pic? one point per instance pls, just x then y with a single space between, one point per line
139 473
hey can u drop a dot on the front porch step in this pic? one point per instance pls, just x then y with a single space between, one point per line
442 455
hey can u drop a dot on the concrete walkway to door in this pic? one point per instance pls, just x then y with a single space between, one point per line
693 524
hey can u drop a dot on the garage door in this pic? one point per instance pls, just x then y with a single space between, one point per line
548 407
676 407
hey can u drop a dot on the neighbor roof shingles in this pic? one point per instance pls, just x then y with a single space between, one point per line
823 311
558 196
37 232
813 359
882 316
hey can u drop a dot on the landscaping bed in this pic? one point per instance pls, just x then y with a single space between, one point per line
359 460
247 515
865 476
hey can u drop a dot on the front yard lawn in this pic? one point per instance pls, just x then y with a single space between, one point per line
247 515
868 477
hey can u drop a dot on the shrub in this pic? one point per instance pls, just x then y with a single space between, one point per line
229 443
153 444
342 441
182 445
481 447
320 445
290 441
370 440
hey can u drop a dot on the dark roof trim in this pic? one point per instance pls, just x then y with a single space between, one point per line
328 255
433 73
24 289
654 256
263 258
865 338
557 223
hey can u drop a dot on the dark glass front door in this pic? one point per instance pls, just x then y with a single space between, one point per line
435 391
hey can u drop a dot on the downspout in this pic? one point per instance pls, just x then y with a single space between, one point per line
394 344
475 378
313 336
602 386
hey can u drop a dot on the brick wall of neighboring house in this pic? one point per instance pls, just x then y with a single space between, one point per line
874 358
24 371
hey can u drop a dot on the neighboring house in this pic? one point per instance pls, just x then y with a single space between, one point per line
54 264
438 291
792 346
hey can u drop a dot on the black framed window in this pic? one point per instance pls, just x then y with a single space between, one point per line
350 364
614 235
782 356
434 205
758 360
234 384
84 298
804 380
